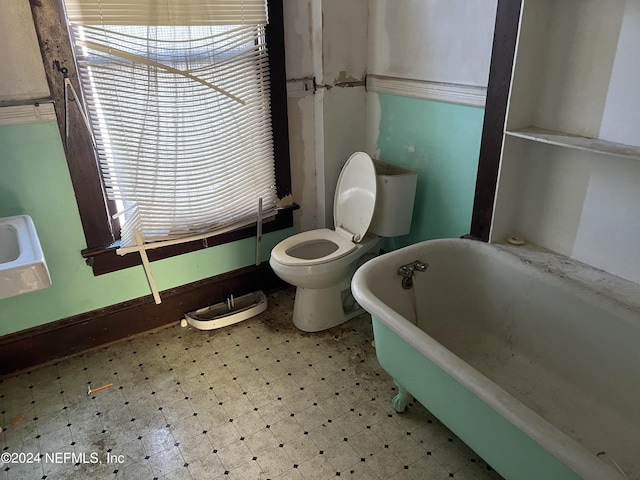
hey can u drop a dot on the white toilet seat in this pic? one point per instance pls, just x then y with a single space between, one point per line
353 208
283 251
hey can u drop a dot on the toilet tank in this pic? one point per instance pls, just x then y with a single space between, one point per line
396 191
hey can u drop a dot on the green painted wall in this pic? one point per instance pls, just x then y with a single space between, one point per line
440 141
34 180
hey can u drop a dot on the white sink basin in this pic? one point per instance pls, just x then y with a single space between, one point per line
22 265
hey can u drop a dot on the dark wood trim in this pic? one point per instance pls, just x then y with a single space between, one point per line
504 45
55 48
43 344
278 88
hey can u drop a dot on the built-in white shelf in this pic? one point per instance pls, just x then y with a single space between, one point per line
575 78
568 140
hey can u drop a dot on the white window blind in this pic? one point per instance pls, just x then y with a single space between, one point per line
177 93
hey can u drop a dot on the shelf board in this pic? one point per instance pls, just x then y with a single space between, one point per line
568 140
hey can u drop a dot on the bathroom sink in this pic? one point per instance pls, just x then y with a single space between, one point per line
22 265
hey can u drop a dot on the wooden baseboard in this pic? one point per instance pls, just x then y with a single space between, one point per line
43 344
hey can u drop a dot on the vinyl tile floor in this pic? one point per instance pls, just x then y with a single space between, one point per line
255 400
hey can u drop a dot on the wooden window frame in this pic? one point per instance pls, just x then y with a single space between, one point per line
95 209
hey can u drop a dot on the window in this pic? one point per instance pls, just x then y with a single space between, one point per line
207 100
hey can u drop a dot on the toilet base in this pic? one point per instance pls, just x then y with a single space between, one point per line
317 309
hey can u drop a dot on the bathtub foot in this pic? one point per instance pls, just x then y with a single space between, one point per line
401 400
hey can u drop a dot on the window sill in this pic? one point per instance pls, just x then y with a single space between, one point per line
106 260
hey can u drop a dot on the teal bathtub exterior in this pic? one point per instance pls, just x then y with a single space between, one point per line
503 446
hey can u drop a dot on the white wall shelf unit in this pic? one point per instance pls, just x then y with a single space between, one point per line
569 176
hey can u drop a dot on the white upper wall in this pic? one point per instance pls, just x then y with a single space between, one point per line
345 40
445 41
22 75
300 31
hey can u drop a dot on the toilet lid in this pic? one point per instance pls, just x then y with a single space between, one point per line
355 197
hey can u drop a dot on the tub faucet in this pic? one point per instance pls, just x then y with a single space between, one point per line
406 272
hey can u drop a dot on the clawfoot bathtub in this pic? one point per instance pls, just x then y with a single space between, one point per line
530 358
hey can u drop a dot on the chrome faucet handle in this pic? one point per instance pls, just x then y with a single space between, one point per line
406 271
420 266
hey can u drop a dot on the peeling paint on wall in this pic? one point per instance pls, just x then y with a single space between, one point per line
298 38
303 173
346 80
441 142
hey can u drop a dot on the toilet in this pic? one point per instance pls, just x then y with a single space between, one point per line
372 200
